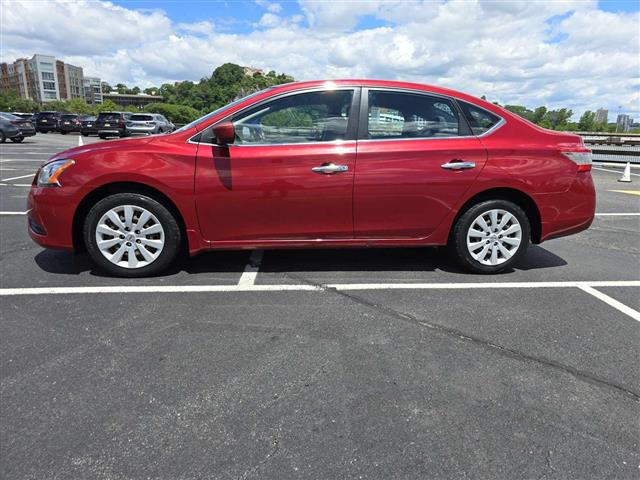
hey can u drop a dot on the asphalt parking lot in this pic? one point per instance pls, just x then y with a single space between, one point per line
364 363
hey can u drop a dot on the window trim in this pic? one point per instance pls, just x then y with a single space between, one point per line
352 125
363 122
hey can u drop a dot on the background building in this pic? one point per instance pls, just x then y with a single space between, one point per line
127 99
92 90
42 78
602 115
623 123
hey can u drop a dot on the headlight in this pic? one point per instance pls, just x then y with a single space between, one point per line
49 173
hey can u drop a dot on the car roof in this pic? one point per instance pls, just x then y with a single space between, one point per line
395 84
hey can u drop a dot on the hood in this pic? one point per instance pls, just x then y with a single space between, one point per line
102 147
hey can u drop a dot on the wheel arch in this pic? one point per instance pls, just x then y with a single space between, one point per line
112 188
520 198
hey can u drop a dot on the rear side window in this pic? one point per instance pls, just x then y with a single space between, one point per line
408 115
480 120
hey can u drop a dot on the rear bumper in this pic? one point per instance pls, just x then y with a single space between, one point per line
568 212
111 131
10 133
141 130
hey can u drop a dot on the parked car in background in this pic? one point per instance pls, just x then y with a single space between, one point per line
112 124
88 125
25 116
148 124
8 130
69 122
46 122
25 126
277 169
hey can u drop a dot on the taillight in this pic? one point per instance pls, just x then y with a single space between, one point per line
582 159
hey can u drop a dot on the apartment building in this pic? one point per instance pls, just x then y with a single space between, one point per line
43 78
92 90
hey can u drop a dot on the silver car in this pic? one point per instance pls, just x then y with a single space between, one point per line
148 124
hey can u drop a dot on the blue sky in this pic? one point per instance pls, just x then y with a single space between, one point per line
239 15
580 54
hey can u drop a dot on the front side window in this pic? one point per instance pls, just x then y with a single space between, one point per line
408 115
480 120
300 118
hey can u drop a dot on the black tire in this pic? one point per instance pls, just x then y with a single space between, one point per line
458 243
103 137
17 139
62 132
3 137
85 134
172 233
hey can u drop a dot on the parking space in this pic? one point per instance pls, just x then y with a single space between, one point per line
371 363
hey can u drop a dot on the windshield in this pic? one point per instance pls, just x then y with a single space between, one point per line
220 110
9 116
69 117
141 118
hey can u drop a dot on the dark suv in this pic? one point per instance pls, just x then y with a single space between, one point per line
69 122
47 122
110 124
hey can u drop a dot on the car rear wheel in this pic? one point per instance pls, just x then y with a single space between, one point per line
491 236
3 137
132 235
17 139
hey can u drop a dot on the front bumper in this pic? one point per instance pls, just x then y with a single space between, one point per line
50 217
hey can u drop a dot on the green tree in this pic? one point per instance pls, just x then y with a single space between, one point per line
105 87
107 106
587 121
11 102
538 115
175 113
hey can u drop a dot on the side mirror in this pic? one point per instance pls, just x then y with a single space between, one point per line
224 133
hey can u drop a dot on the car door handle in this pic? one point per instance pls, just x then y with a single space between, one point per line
458 165
330 168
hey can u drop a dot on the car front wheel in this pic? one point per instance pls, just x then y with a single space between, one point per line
132 235
491 236
17 139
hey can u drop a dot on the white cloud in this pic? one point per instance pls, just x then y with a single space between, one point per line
273 7
558 53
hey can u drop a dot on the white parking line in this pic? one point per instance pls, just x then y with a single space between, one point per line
16 178
633 214
612 302
250 273
303 287
14 213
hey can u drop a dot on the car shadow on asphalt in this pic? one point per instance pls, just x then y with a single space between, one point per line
309 260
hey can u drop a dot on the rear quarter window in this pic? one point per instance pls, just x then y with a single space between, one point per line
479 119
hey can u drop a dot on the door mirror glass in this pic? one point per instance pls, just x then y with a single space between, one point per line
224 133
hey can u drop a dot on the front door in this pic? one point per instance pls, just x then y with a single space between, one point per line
416 159
287 176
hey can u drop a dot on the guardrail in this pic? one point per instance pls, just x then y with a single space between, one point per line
613 147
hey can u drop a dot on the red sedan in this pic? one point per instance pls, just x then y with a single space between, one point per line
349 163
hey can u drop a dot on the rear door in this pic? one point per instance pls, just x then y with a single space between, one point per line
288 175
416 158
